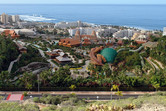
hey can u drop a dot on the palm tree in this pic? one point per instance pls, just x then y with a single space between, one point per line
44 76
119 93
156 85
29 86
72 87
116 88
27 79
91 68
106 68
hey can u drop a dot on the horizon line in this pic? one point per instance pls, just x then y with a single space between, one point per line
71 4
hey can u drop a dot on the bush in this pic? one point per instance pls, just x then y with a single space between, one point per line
25 94
130 107
49 99
12 106
1 97
36 99
51 108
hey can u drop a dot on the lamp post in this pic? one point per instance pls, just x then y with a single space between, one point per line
111 94
38 82
111 90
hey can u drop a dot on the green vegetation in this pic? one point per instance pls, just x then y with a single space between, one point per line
130 59
67 100
159 52
11 106
8 52
130 103
72 103
72 87
32 55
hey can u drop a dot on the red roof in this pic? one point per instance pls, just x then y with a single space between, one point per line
120 42
69 41
140 42
12 33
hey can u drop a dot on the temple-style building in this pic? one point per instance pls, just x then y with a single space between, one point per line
10 33
79 39
69 42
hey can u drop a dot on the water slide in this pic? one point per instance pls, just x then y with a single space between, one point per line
127 49
136 50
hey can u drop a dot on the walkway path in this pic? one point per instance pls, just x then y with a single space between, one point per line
12 63
85 66
48 60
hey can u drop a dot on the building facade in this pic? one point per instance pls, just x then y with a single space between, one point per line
164 31
4 18
124 33
79 39
15 18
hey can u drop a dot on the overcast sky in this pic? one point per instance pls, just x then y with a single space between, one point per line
83 1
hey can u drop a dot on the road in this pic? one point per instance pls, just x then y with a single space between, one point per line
96 97
86 97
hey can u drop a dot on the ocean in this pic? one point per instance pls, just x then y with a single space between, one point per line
149 17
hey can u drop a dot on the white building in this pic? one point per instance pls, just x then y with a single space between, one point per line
106 32
124 33
68 24
164 31
15 18
83 31
64 25
4 18
26 32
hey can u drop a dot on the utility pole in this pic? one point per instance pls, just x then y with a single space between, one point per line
38 83
111 89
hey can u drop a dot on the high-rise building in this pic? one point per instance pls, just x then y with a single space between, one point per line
69 24
15 18
164 31
4 18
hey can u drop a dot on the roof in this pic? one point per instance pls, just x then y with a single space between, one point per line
10 32
150 44
20 46
70 41
86 41
141 42
63 59
120 42
109 54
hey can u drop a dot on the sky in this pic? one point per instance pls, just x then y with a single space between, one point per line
82 1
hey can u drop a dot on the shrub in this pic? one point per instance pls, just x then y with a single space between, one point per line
36 99
51 108
71 95
129 107
25 94
1 97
